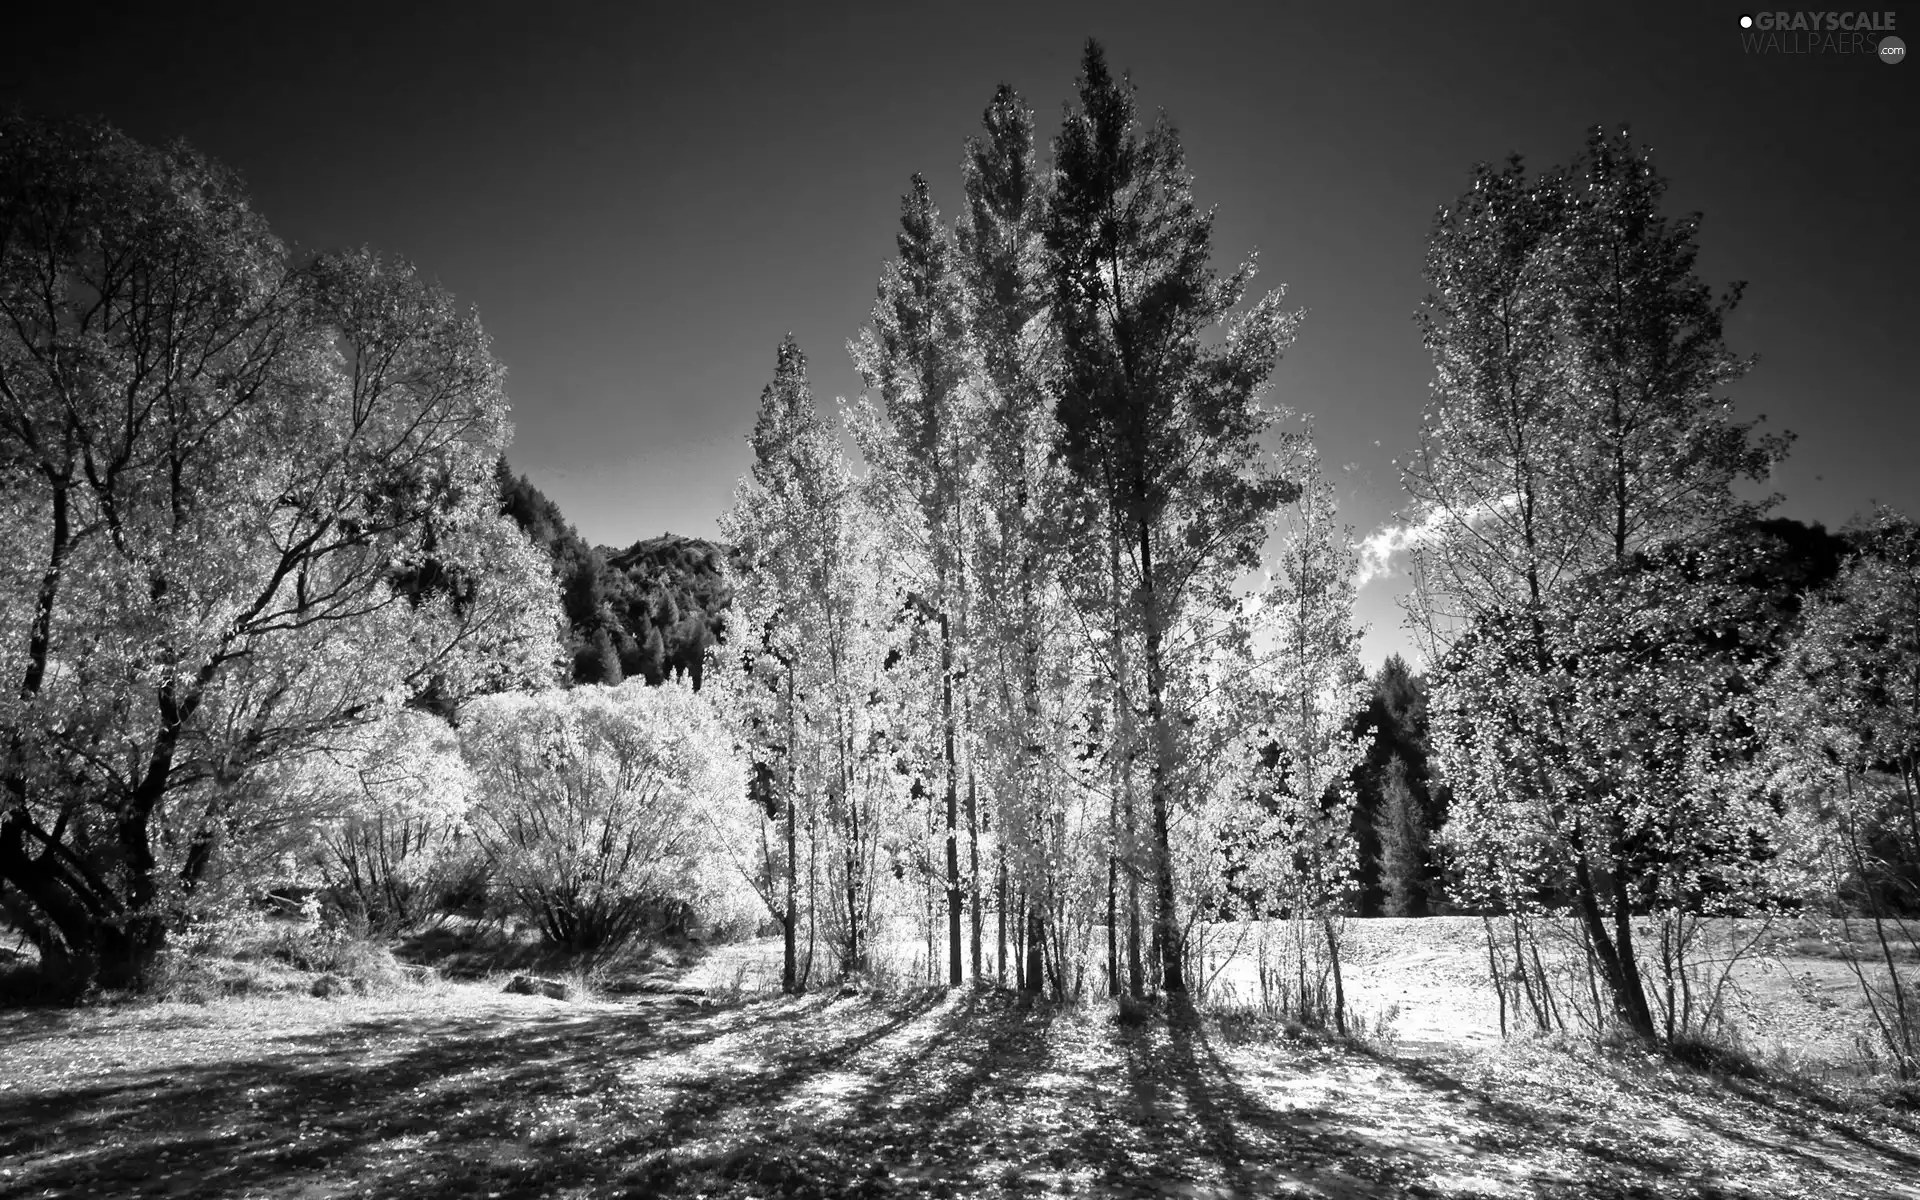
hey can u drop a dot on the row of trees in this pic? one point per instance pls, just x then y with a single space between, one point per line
1026 664
1024 659
258 512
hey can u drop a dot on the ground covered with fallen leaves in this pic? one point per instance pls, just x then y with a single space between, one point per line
458 1090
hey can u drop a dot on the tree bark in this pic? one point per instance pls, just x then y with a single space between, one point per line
1167 925
973 867
955 971
790 924
1000 946
1339 985
1113 924
1616 963
1036 949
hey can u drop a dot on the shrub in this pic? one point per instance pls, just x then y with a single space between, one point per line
346 950
1720 1052
600 807
395 795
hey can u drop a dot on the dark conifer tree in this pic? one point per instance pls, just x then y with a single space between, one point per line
1161 426
1403 833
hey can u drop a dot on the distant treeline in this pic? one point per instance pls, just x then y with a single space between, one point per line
1400 800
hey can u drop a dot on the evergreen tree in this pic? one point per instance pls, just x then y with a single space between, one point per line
1393 724
1403 834
597 662
649 611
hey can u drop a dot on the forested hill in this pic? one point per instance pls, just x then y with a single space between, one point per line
650 610
669 597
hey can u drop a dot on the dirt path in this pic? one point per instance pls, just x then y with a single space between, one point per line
466 1092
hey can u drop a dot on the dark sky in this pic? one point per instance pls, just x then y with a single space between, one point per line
643 202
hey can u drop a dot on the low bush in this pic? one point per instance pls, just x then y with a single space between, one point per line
1720 1053
353 955
184 978
601 809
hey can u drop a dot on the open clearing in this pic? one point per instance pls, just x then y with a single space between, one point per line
459 1090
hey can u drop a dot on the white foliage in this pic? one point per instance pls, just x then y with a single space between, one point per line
608 800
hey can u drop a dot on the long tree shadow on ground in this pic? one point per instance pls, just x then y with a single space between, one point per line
422 1107
965 1093
1183 1118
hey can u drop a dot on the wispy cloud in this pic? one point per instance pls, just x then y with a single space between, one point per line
1378 549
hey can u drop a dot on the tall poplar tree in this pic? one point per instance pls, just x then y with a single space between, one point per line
1313 687
922 445
1163 427
785 524
1018 618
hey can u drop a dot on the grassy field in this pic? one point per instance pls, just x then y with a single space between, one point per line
1789 1000
458 1089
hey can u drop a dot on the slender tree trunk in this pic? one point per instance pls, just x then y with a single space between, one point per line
1113 924
1640 1016
1130 863
928 892
790 923
1036 949
1167 925
1339 985
856 941
813 896
1550 1017
954 966
1532 984
1020 947
1123 757
1494 973
1136 969
1060 947
1639 1013
1000 940
973 867
855 948
1616 956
